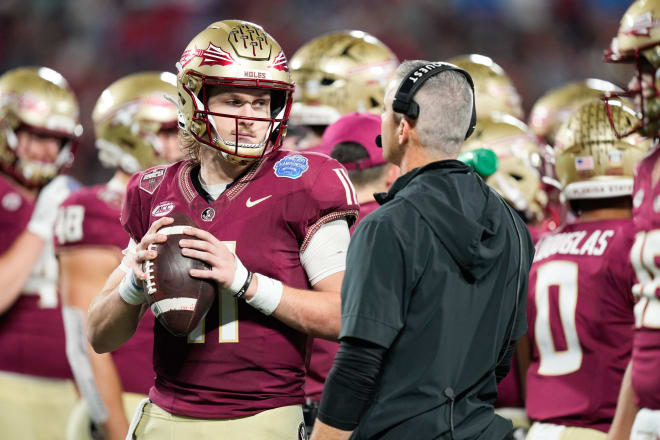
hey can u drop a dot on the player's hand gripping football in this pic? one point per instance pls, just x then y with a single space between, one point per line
135 260
204 246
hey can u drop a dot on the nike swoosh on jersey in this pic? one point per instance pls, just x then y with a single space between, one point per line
250 203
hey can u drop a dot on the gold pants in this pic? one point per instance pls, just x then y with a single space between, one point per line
78 425
549 431
285 423
34 408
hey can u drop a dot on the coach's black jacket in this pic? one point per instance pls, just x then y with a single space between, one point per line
432 277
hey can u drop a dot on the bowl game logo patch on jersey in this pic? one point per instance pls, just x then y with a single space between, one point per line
291 167
151 179
12 201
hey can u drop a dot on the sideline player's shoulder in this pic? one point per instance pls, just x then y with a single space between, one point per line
90 216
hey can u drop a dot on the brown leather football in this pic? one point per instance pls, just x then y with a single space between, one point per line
178 300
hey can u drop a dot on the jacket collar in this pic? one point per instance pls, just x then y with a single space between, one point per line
452 166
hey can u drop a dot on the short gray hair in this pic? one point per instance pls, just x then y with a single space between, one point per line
445 108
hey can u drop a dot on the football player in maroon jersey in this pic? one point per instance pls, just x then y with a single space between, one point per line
580 307
39 131
135 123
274 227
637 42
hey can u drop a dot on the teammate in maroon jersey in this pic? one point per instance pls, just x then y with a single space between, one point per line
637 42
39 131
580 306
281 216
135 126
351 141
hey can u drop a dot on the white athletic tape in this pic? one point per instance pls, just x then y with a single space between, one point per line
173 230
169 304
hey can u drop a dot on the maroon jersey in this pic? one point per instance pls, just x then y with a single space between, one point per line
90 217
31 331
580 312
645 258
239 361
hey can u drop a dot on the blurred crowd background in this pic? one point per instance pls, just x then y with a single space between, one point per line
540 43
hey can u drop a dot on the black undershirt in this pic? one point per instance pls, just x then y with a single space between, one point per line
351 383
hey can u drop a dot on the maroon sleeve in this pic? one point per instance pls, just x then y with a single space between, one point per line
621 272
132 218
15 213
86 219
329 196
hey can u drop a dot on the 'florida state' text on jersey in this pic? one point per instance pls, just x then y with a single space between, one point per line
31 331
90 217
645 258
240 362
580 313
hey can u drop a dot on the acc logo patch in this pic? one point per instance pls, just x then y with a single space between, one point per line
12 201
162 209
150 180
291 167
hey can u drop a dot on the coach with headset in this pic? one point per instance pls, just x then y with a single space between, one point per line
435 290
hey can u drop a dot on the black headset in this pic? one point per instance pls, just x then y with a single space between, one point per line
413 81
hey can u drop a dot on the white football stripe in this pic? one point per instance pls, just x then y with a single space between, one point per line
173 230
169 304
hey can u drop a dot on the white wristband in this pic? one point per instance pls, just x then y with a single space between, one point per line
268 295
240 275
130 292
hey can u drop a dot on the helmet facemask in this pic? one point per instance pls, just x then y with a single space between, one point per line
204 126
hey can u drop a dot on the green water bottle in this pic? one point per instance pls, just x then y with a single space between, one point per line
483 160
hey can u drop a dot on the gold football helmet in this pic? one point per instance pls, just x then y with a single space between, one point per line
238 54
128 117
637 42
554 108
591 161
517 178
340 73
493 89
39 99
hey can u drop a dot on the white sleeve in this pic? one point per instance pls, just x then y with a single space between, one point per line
326 251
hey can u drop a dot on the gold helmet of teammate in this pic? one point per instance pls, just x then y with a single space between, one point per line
238 54
637 43
591 161
517 178
340 73
554 108
128 117
40 100
493 89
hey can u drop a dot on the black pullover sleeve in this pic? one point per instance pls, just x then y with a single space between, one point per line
351 383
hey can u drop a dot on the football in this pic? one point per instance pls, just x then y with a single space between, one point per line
178 300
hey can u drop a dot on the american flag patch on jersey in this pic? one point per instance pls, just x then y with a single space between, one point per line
584 163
